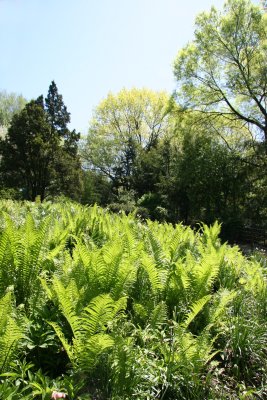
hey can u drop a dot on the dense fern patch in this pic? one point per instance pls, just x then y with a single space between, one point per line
104 306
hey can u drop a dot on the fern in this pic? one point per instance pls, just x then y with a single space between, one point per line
190 353
211 234
196 308
99 311
88 327
67 346
218 309
154 246
181 241
6 274
5 310
178 285
126 278
10 333
206 271
105 270
95 346
159 315
155 278
67 302
22 257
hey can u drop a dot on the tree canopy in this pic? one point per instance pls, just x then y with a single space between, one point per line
223 71
39 153
122 125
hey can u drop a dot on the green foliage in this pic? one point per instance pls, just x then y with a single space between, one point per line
125 127
219 171
22 258
10 333
10 104
101 305
223 71
96 189
39 153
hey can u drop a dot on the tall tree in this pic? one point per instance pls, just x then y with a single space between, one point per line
67 162
223 72
39 153
124 125
59 118
27 152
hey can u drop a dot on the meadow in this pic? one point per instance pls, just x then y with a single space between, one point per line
106 306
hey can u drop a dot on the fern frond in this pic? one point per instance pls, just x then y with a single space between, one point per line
211 234
27 244
9 338
47 288
125 278
129 238
82 253
196 308
5 310
99 311
181 240
148 264
112 255
111 251
119 305
89 350
218 310
182 276
206 271
159 315
68 348
6 274
155 248
67 304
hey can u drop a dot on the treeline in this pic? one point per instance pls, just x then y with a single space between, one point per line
199 155
175 166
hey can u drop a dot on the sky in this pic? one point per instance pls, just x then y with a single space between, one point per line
93 47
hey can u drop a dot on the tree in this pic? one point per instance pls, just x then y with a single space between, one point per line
67 162
96 189
223 72
39 153
205 181
123 126
27 152
10 104
59 118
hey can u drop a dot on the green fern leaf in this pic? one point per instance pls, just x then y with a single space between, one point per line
148 264
89 350
196 308
99 311
159 315
68 348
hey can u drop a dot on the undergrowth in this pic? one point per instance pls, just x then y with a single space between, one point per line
104 306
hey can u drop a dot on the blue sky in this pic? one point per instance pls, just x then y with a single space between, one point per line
91 47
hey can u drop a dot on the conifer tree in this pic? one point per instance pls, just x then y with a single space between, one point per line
59 118
39 152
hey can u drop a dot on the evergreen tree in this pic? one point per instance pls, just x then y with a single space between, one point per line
57 113
59 118
39 153
27 152
67 162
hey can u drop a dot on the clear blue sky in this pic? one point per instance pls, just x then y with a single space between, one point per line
91 47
